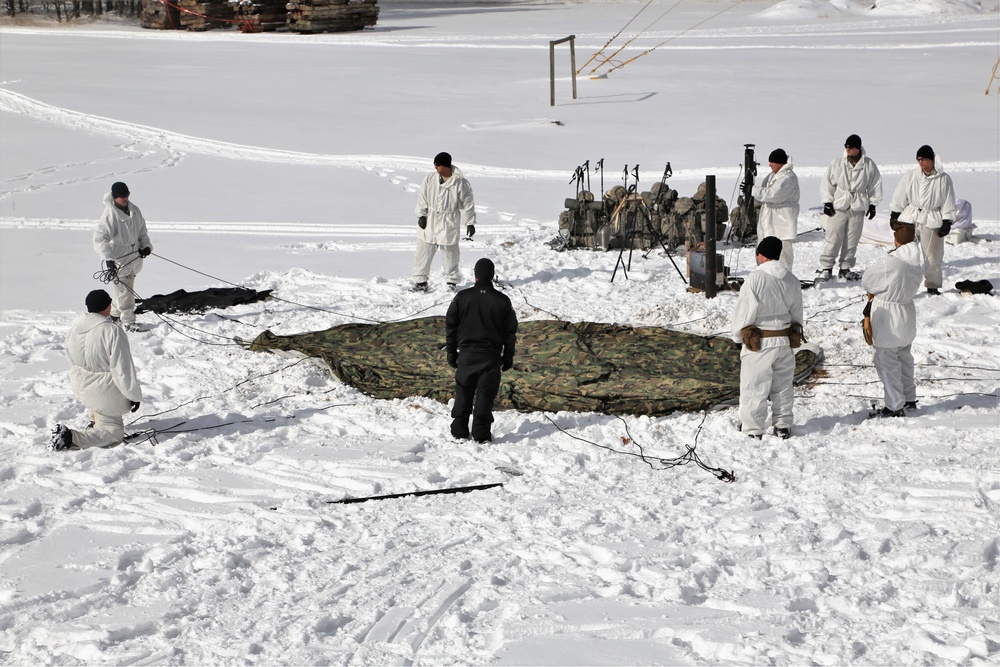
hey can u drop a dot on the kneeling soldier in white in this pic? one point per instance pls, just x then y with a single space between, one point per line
102 376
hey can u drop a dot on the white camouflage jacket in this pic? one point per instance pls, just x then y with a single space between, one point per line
446 205
851 187
119 236
102 373
925 200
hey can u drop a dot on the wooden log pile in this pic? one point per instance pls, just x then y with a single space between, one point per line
200 14
156 15
260 15
310 16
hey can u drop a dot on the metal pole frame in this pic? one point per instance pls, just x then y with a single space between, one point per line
552 66
710 268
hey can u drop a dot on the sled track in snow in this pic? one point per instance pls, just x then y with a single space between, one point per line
185 144
308 230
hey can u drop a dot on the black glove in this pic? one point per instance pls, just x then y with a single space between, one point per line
507 363
135 406
871 211
945 228
828 209
422 222
112 267
144 252
453 359
894 220
470 231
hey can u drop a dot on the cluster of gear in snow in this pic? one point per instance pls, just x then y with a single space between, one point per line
629 219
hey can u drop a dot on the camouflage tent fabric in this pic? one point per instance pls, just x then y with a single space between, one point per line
573 366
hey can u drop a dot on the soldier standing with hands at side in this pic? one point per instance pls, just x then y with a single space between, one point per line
850 190
768 321
925 199
894 281
480 335
445 199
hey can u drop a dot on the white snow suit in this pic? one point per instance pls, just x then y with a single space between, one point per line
448 206
927 201
851 188
771 299
119 236
894 281
102 376
778 193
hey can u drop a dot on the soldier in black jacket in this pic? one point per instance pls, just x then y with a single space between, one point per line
481 329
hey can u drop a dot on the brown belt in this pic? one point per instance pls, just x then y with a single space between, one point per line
764 333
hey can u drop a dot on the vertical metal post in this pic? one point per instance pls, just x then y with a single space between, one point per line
552 74
710 268
572 61
552 66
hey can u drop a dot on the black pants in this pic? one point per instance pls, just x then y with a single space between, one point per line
477 381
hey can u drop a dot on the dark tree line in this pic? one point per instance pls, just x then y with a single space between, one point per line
67 10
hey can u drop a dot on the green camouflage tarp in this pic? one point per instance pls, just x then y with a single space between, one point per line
582 366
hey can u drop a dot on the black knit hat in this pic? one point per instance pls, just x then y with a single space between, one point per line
853 141
778 156
119 189
484 270
770 247
97 301
442 160
925 151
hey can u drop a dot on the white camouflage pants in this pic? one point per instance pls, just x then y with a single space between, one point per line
449 262
767 374
787 254
843 232
123 305
933 247
894 366
107 430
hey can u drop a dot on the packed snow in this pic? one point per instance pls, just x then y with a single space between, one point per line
290 163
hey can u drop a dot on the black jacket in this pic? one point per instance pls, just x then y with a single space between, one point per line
481 319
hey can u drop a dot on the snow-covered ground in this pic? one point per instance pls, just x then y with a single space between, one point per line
289 162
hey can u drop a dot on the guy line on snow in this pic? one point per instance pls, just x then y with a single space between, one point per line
20 104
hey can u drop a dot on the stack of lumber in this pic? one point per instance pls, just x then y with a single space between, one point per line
199 14
309 16
156 15
260 15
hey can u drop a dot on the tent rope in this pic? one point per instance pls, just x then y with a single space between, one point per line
608 43
993 77
667 41
637 35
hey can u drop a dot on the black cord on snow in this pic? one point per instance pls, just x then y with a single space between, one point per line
304 305
224 391
690 456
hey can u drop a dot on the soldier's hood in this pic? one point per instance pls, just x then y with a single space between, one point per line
775 268
909 253
88 321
